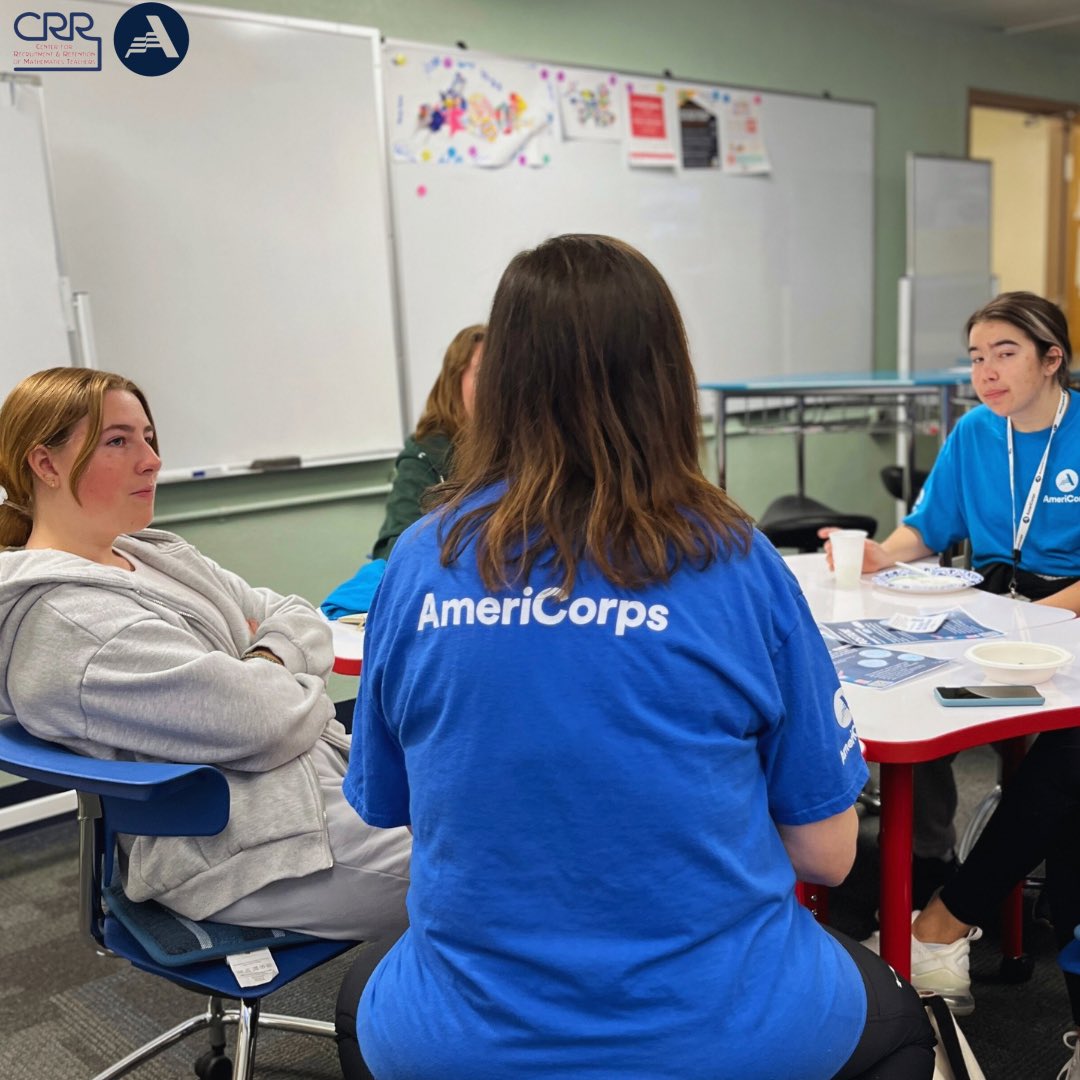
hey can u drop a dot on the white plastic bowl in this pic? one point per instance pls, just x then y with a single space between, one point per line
1018 661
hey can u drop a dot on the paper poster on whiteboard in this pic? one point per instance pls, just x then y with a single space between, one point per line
448 109
648 129
741 131
699 129
591 104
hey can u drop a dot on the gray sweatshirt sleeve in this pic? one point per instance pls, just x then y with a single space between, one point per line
288 625
150 688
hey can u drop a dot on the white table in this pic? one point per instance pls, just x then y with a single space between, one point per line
905 724
348 647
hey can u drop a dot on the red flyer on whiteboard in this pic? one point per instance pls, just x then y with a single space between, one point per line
648 139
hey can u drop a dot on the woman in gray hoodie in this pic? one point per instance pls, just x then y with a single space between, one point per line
119 641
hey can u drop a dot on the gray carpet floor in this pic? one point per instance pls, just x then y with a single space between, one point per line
66 1013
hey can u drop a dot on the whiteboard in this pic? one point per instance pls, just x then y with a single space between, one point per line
948 216
940 307
33 307
774 274
230 222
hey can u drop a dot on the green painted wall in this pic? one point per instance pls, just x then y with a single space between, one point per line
916 71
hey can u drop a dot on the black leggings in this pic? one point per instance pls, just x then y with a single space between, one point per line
897 1042
1038 818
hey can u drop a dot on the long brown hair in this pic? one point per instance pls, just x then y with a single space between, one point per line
586 409
444 412
41 411
1041 319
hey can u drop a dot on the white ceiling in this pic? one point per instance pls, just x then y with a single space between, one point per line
1052 24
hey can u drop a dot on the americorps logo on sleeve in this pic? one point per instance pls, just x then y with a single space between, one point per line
842 712
151 39
841 709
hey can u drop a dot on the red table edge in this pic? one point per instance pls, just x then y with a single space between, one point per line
1037 718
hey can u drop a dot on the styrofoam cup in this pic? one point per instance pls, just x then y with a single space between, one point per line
847 554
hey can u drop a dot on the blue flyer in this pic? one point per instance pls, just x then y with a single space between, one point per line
957 626
881 669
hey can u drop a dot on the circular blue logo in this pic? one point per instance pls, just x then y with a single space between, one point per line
151 39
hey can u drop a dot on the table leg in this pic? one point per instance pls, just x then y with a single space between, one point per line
896 807
720 433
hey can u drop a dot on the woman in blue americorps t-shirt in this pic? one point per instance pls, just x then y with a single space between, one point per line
1008 476
598 698
1007 479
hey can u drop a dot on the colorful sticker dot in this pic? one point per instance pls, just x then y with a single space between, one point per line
399 59
544 73
425 155
522 160
448 62
421 191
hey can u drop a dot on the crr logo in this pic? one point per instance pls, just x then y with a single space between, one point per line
151 39
1067 480
54 47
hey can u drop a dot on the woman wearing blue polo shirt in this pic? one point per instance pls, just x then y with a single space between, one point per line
599 700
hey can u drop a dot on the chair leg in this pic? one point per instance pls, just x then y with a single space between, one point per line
247 1018
277 1022
154 1047
247 1031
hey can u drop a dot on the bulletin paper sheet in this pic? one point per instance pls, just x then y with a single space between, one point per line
699 128
648 138
449 109
740 126
592 104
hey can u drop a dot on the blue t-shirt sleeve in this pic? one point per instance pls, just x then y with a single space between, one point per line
376 784
811 756
938 513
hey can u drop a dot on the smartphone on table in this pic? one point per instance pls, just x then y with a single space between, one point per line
989 694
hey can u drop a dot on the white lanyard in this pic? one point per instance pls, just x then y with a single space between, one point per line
1020 528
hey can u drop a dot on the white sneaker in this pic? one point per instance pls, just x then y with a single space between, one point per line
944 969
1071 1069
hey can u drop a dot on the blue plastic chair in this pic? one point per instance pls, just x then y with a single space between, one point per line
150 799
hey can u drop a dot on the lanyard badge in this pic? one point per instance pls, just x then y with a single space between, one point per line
1020 528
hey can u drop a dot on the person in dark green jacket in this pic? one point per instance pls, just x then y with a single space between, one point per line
425 459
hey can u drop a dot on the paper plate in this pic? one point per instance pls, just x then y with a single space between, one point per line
940 579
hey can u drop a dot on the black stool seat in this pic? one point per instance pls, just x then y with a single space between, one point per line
892 476
792 521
